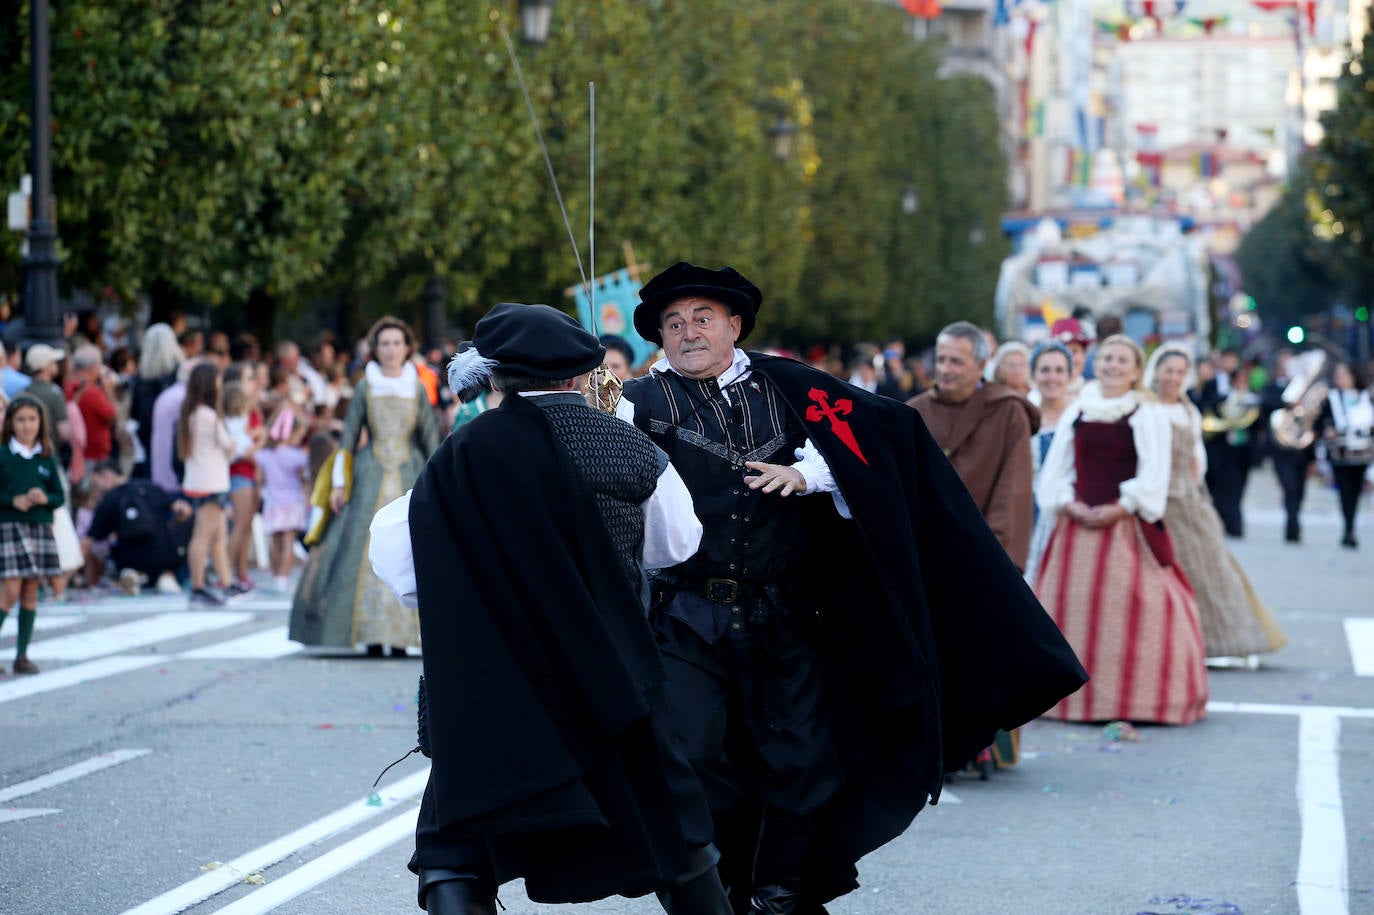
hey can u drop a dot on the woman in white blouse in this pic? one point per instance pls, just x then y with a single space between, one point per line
1235 623
1108 576
1347 430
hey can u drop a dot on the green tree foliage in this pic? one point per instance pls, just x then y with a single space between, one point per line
272 157
1343 167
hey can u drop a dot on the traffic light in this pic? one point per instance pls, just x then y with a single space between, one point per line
1296 335
1362 313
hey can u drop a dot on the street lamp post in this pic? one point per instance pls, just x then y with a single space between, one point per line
42 324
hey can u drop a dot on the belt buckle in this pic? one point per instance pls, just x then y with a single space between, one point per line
722 590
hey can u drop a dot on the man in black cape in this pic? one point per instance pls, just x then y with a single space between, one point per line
553 756
828 659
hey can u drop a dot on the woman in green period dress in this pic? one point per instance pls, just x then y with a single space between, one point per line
339 602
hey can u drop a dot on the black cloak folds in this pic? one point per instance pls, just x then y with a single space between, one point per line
538 661
930 640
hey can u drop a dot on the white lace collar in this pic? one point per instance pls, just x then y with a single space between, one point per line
1093 407
379 385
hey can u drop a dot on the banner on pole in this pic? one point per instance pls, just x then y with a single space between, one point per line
617 294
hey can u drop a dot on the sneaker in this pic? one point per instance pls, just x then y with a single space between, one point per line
22 665
167 584
237 589
281 584
207 597
131 582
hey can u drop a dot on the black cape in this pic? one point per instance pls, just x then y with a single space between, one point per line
537 660
930 640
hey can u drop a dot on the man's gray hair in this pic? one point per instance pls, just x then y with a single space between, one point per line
973 334
508 383
86 356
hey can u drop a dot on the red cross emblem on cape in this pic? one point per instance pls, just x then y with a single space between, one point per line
823 409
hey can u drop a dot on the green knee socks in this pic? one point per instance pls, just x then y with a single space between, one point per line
26 618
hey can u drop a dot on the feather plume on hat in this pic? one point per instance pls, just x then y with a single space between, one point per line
468 368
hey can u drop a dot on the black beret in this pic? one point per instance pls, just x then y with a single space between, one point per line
726 286
536 341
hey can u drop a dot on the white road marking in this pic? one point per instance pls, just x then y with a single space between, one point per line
269 643
14 814
69 773
10 628
22 687
1266 708
1322 866
1359 635
328 865
137 634
232 872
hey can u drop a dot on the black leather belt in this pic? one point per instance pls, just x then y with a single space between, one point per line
721 590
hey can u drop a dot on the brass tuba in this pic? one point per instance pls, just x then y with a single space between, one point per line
1294 425
1234 413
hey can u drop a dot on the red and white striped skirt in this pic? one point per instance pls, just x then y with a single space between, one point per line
1132 622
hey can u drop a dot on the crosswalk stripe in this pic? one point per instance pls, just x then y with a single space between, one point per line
226 875
328 865
1359 635
1323 866
42 623
269 643
83 646
14 814
63 677
69 773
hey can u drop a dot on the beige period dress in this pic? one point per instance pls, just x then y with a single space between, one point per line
339 601
1234 620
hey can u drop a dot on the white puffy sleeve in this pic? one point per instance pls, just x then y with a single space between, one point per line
1054 488
389 550
1147 492
672 532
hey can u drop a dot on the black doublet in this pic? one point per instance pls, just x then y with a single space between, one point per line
621 468
709 433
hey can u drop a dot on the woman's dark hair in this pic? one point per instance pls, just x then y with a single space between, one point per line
202 390
1361 382
21 402
388 322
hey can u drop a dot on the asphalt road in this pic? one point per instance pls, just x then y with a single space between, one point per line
168 761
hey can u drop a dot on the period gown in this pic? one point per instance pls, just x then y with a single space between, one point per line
1234 620
340 602
1116 593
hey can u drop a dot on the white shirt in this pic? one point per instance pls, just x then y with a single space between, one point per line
672 532
1145 494
811 464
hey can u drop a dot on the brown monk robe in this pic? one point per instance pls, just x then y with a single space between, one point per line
987 439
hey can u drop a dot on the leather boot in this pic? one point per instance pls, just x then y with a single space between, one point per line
779 863
449 892
775 900
701 895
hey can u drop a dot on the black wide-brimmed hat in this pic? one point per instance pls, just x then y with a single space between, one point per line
726 286
535 341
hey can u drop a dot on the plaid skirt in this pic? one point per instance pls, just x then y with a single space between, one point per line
28 550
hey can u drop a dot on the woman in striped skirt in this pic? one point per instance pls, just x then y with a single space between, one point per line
1108 575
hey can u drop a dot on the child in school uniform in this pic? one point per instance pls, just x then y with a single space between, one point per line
30 488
